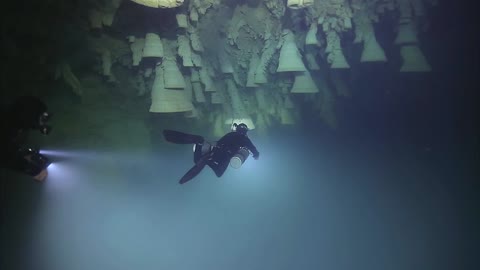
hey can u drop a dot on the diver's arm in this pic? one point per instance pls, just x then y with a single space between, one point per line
252 148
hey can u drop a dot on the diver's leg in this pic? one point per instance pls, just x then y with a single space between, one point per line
202 149
219 162
220 170
197 154
195 170
181 138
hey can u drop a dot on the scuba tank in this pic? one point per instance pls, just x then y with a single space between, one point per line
239 158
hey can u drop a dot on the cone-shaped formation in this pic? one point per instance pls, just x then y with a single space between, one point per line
311 38
140 85
160 3
217 97
188 89
327 107
251 71
181 20
218 127
172 75
372 52
184 50
288 103
197 59
207 80
107 63
340 84
311 62
95 19
406 34
290 57
364 32
405 9
286 117
148 72
195 75
268 52
225 64
195 39
192 114
261 123
260 75
137 50
334 49
304 83
260 97
167 100
193 14
418 7
198 92
296 4
239 113
108 17
153 46
413 59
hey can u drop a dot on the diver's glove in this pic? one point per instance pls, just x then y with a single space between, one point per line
256 156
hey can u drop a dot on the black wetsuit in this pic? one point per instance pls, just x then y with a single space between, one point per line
226 148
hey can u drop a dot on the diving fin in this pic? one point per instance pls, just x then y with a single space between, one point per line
181 138
194 171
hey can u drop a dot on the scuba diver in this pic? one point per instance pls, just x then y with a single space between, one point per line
24 114
233 148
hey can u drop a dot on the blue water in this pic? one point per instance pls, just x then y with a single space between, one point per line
331 205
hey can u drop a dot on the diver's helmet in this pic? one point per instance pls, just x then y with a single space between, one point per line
239 158
241 128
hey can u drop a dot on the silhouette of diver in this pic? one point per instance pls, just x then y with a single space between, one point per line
24 114
233 148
